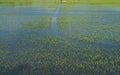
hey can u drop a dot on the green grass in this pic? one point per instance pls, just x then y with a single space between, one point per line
115 3
56 56
33 55
89 29
30 3
42 22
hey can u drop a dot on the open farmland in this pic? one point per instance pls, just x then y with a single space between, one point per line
48 38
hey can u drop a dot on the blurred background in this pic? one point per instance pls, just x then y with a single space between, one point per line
50 2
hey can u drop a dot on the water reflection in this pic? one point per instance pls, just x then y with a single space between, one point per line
54 21
12 19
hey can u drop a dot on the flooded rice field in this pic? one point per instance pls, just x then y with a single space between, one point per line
60 40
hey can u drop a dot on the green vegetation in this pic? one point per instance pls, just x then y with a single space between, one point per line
92 2
16 0
43 23
56 56
30 3
64 2
89 28
28 46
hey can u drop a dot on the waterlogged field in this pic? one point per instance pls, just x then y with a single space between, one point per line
63 40
90 25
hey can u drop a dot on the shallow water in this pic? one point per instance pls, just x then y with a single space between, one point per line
50 41
54 21
12 18
87 21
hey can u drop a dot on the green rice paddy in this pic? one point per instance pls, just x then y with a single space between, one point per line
76 40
